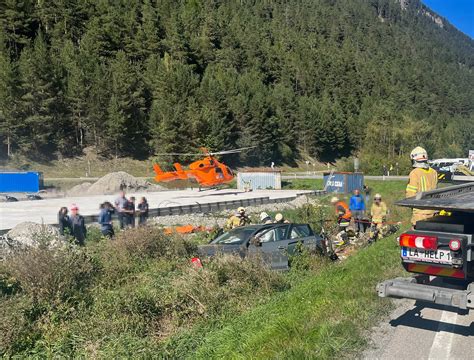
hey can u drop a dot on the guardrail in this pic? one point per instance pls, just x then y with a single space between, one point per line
198 208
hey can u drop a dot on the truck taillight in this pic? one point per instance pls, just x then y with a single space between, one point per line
419 241
455 244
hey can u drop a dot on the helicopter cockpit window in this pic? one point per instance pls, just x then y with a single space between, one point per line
211 162
201 165
219 173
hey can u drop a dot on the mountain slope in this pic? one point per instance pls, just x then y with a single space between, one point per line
325 77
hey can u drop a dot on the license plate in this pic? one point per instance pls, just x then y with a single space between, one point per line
434 256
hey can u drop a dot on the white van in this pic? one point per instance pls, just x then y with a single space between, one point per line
448 164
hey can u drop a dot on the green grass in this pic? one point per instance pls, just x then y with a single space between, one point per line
302 184
324 316
138 297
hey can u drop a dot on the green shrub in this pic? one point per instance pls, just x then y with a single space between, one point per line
50 275
224 281
17 331
130 251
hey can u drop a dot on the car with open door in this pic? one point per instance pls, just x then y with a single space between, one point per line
274 243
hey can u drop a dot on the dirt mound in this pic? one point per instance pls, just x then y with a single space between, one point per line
79 189
28 234
112 183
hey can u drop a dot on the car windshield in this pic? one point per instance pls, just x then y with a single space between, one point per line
234 236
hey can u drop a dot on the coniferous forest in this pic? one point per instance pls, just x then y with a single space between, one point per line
326 78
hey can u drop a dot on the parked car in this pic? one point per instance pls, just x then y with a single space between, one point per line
8 198
33 197
275 243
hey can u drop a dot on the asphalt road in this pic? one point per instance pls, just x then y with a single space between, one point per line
418 330
45 211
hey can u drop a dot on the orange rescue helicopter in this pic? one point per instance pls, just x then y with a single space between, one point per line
208 172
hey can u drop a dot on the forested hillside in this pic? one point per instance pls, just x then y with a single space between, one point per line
322 77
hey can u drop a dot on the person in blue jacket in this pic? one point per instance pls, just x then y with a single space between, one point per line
357 207
105 219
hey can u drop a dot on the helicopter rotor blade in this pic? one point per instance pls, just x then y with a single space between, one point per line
233 151
178 154
223 152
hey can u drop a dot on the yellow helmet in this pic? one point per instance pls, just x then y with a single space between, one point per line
334 199
419 154
241 210
279 217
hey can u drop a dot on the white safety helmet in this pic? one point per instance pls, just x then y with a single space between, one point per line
334 199
378 197
241 210
419 154
263 216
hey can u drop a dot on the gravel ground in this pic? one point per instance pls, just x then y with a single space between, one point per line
219 219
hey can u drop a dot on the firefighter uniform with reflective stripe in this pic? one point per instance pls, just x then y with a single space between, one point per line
379 213
421 180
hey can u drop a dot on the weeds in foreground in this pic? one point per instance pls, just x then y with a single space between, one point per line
117 296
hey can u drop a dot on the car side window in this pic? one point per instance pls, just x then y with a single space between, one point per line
300 231
280 233
267 236
275 234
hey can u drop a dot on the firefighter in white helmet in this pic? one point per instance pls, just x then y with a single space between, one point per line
265 218
422 178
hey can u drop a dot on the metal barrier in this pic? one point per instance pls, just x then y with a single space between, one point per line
198 208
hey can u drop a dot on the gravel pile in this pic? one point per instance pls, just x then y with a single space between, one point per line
28 234
79 189
220 218
112 183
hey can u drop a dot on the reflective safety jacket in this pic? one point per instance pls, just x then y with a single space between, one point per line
236 221
342 210
421 180
378 212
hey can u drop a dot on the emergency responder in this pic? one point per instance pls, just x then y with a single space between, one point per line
422 178
343 212
265 218
378 213
280 219
239 219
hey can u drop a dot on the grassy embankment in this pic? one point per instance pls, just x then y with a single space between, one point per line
139 297
322 316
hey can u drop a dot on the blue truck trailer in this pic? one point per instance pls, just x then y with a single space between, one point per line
20 181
